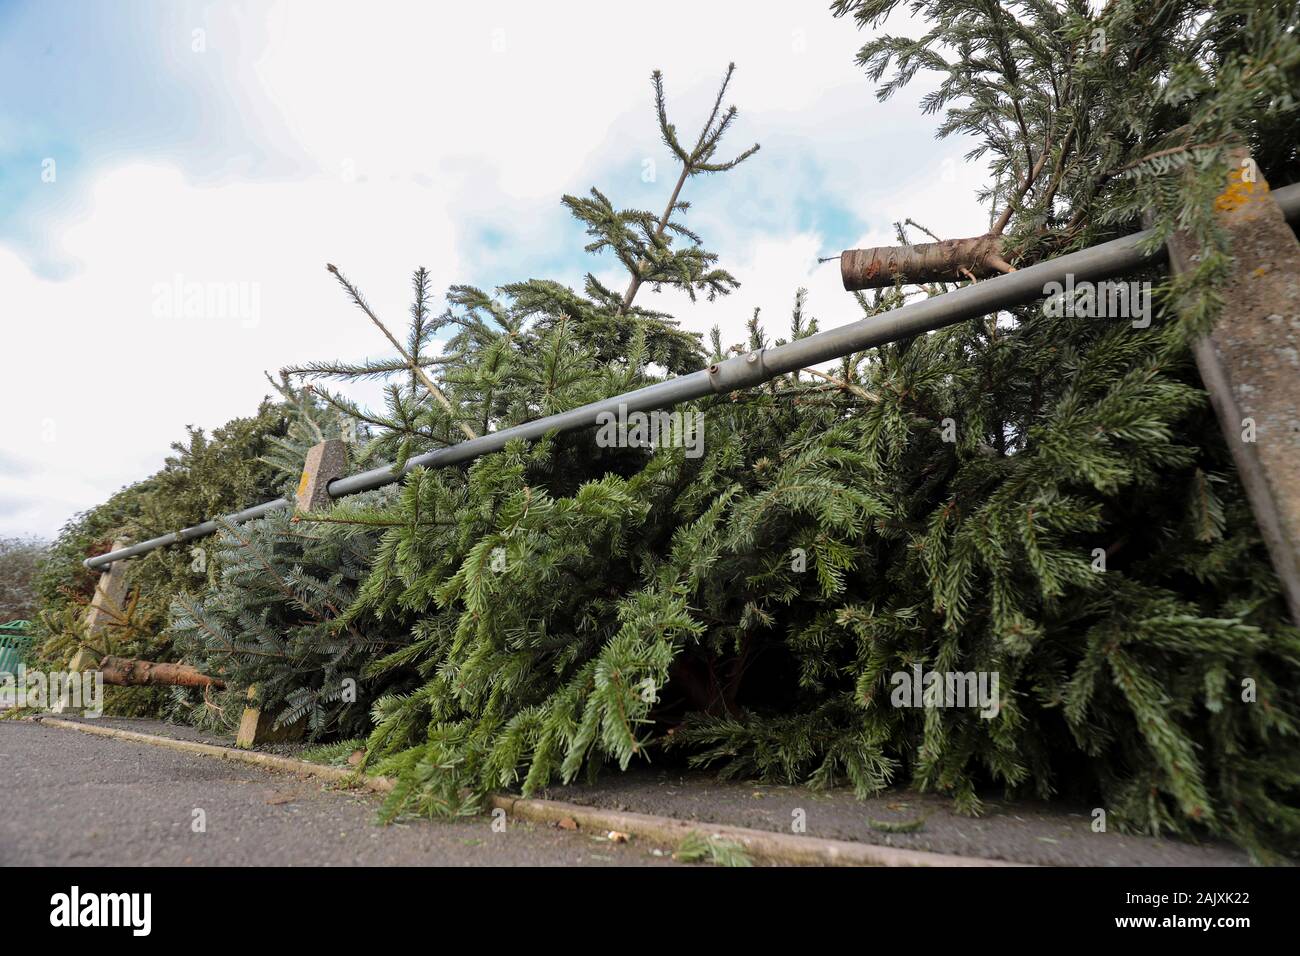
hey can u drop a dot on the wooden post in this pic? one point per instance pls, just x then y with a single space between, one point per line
326 461
1250 362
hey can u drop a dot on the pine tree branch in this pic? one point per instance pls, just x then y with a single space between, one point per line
637 274
229 648
411 363
844 386
694 162
1000 225
280 583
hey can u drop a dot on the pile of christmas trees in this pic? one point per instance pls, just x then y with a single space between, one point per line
245 460
1039 498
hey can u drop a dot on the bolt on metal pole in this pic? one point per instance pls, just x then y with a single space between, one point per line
989 295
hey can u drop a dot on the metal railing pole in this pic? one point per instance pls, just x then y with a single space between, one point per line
186 534
989 295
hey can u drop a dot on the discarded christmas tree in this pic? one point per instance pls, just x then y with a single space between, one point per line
267 619
1037 497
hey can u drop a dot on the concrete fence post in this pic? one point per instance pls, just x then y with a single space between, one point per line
107 605
1250 362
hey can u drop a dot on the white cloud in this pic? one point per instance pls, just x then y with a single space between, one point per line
528 88
411 127
97 385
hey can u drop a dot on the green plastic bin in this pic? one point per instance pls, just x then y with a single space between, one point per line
14 644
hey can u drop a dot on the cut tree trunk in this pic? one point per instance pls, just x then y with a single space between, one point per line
125 672
951 260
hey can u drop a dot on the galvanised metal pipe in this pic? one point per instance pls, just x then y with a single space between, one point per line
660 395
981 298
187 534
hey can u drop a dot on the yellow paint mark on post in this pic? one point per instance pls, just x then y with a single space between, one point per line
1239 192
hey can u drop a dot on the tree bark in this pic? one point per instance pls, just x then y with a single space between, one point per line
951 260
125 672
